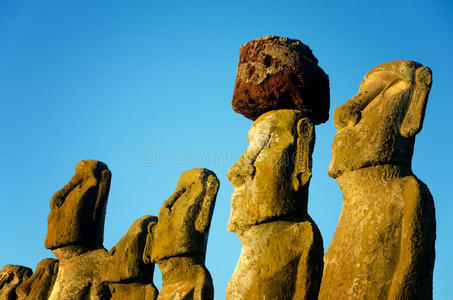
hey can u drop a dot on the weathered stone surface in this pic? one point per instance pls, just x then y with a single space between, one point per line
77 211
383 247
117 274
39 285
185 278
282 248
271 178
125 261
177 243
124 268
279 260
75 234
11 276
280 73
133 290
79 277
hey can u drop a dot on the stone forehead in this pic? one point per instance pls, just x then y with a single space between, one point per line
90 166
281 118
403 68
194 175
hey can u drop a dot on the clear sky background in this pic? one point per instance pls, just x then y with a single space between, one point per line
146 87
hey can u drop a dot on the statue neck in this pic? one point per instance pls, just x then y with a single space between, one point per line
369 178
179 268
256 234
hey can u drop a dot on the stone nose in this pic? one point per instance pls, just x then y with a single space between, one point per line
242 171
346 115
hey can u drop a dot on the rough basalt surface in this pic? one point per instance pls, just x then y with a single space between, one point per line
280 73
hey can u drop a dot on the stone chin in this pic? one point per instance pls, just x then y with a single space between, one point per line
239 219
257 212
344 157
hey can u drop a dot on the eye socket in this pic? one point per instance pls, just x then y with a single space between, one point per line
395 87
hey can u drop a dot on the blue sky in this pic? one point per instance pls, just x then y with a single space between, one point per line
146 87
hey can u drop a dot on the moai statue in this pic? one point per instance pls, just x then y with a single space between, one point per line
383 247
75 235
11 276
76 230
282 248
39 285
177 243
280 86
125 271
77 211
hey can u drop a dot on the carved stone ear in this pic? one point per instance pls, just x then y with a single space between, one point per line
304 147
413 120
203 220
305 129
149 242
103 193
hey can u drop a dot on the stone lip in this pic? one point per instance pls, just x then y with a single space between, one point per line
280 73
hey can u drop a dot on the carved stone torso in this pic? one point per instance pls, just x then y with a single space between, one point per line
384 212
272 253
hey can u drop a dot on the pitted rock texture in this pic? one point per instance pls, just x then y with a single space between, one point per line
383 247
280 73
282 249
11 276
40 284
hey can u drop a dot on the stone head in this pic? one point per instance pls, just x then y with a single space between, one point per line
77 211
378 125
271 178
39 285
125 260
184 219
11 276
